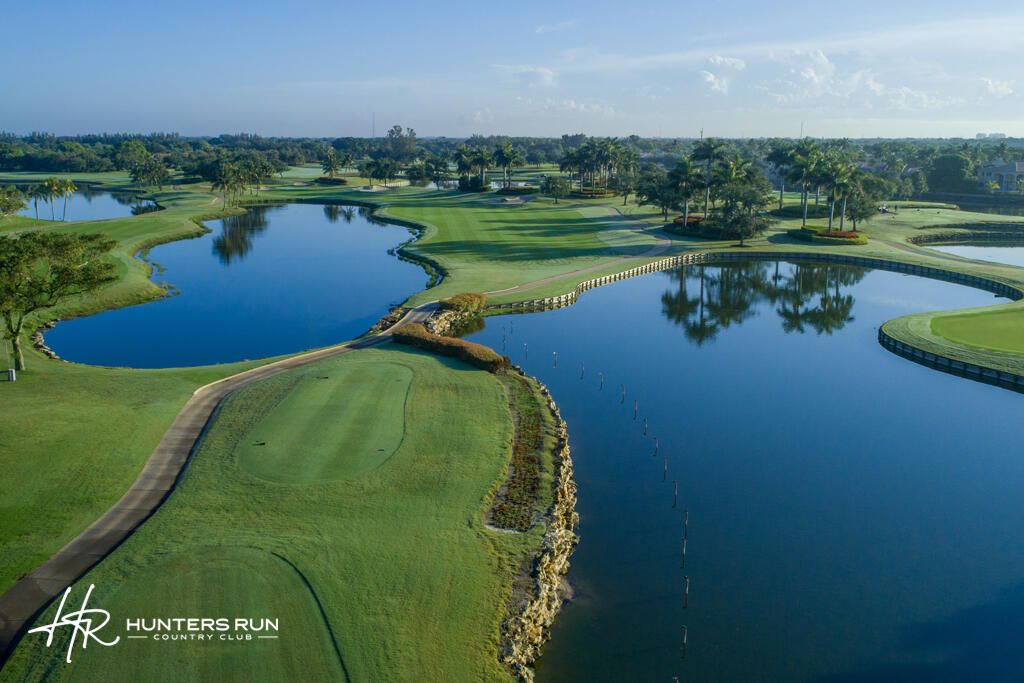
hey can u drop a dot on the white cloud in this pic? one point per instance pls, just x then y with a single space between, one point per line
997 87
531 76
715 83
729 62
553 28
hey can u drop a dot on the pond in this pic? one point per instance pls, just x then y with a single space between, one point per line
87 204
275 280
853 516
1010 255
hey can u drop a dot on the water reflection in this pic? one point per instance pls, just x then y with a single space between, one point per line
237 232
706 300
334 212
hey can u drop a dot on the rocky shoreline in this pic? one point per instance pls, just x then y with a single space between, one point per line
524 633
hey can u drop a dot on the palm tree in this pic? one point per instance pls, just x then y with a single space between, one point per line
463 159
37 192
837 175
482 159
331 164
708 151
52 188
781 157
686 177
67 188
803 170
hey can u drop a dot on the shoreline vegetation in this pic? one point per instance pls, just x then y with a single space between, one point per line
522 251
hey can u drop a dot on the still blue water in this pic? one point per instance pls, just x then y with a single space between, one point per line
275 280
1012 255
89 205
853 516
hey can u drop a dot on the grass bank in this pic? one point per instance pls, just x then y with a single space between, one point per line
359 524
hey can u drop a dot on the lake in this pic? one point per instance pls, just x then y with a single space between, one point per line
275 280
853 516
1011 255
87 204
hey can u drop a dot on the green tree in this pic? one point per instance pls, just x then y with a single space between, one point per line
52 186
686 177
708 151
952 173
12 201
67 188
40 269
555 186
331 164
131 153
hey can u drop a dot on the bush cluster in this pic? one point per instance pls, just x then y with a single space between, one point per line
467 302
476 355
818 235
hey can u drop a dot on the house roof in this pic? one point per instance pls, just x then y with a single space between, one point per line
1011 167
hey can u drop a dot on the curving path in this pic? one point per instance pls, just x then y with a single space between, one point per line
20 605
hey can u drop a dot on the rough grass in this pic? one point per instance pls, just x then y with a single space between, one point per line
523 495
412 585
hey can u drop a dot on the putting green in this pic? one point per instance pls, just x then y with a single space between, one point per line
996 330
331 425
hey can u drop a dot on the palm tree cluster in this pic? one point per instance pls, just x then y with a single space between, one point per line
599 163
812 166
49 191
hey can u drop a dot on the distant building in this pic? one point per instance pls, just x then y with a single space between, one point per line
991 136
1007 176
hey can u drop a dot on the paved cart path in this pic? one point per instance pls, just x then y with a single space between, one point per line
22 603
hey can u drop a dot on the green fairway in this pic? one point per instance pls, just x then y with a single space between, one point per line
323 430
411 584
995 330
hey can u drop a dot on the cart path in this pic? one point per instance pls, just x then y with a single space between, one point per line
33 592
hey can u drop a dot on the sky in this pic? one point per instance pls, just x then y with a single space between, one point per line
903 68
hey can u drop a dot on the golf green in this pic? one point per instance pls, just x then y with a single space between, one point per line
331 426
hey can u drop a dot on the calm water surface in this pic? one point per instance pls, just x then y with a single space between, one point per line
274 280
853 516
1012 255
90 205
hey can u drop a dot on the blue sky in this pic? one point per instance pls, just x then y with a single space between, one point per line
527 68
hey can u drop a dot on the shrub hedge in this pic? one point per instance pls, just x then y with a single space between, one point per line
818 235
477 355
467 302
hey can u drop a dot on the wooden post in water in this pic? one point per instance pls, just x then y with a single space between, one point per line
600 387
645 426
656 447
623 398
682 563
675 492
664 470
686 523
684 644
554 359
636 409
686 591
526 350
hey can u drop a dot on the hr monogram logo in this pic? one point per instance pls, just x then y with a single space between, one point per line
85 622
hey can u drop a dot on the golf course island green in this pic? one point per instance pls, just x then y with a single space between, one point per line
377 564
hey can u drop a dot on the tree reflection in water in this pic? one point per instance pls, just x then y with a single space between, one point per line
334 212
710 299
237 233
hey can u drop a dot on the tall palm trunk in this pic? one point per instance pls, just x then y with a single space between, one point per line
831 212
842 215
64 211
805 199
